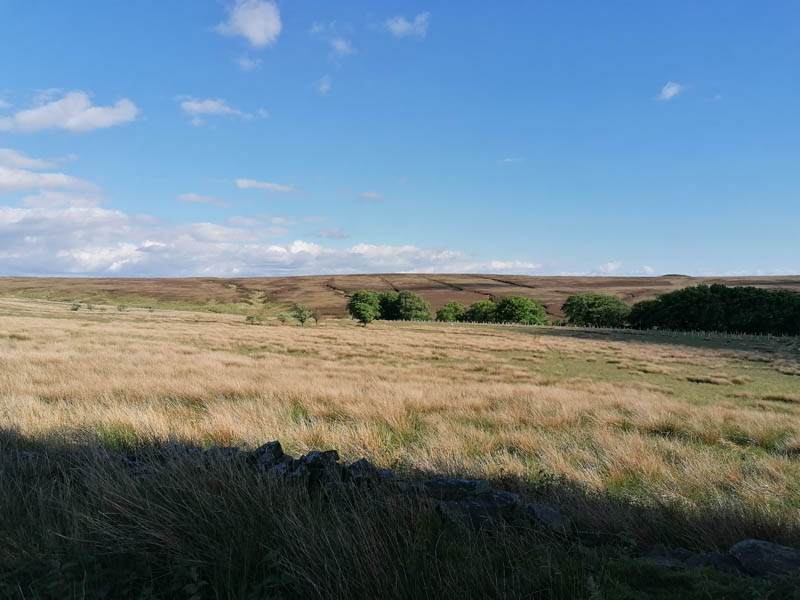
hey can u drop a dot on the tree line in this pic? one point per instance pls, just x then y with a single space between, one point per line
702 307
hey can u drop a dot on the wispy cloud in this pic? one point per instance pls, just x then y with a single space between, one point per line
74 112
401 27
253 184
193 198
670 90
18 180
341 47
197 108
258 21
371 196
247 63
331 233
19 160
610 267
511 160
324 84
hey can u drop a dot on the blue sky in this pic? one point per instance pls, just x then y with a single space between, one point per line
249 137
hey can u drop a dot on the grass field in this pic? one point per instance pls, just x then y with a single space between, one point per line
692 443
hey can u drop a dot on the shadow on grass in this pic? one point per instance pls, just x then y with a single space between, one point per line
169 521
711 340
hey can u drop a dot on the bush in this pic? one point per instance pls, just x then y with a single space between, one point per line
302 313
387 305
596 310
283 317
253 320
518 309
364 306
720 308
452 311
412 307
480 312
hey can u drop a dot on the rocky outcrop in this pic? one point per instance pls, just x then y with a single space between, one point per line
758 557
462 503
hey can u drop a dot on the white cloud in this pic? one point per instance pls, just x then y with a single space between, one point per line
4 104
341 47
511 160
371 196
648 270
74 112
258 21
670 90
14 159
401 27
324 84
248 64
610 267
246 184
95 241
18 180
314 219
198 108
331 233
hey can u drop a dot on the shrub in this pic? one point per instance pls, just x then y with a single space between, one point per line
480 312
720 308
387 305
596 310
75 306
253 320
302 313
122 308
364 306
283 317
412 307
518 309
452 311
317 316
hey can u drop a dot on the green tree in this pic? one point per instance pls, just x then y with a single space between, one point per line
412 307
302 313
596 310
483 311
387 305
363 306
452 311
518 309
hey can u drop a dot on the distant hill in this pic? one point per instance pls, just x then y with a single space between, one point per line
327 292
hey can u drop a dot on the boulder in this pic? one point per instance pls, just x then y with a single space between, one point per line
449 489
267 455
548 517
681 558
479 509
758 557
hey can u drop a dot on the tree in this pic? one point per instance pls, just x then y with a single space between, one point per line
387 305
302 313
596 310
482 311
316 315
452 311
412 307
364 306
518 309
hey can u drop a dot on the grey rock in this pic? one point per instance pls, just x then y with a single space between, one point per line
450 489
758 557
320 460
548 517
605 538
480 509
723 562
268 455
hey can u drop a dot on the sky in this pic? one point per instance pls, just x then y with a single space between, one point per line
289 137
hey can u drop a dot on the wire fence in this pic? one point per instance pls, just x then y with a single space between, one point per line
675 333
